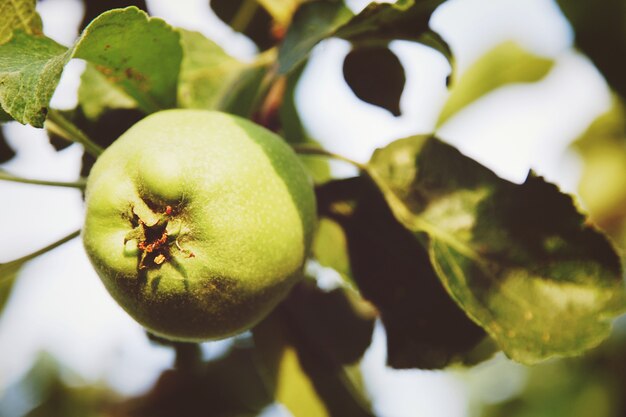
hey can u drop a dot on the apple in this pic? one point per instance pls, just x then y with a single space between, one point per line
198 222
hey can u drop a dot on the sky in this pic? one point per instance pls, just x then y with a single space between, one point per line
60 306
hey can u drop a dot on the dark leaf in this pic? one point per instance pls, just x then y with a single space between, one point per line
314 22
249 18
519 259
376 76
425 328
6 152
600 32
299 369
230 386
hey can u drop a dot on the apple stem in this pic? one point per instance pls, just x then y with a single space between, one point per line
23 259
59 124
80 184
312 150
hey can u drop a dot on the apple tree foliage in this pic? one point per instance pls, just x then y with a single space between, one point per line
456 262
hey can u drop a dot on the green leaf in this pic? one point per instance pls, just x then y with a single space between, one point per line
94 8
281 10
207 75
18 14
312 23
519 259
330 249
304 368
140 55
392 270
602 185
8 274
97 94
600 32
507 63
376 76
30 69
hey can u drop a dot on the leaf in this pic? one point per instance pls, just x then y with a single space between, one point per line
281 10
600 33
6 152
94 8
30 69
505 64
292 129
207 75
312 23
141 55
303 374
376 76
602 186
425 328
8 275
518 259
316 21
97 94
247 17
18 14
330 249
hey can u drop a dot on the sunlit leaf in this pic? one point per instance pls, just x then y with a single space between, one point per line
519 259
97 93
603 183
141 55
18 14
507 63
207 73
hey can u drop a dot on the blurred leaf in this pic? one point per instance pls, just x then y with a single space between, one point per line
4 116
281 10
18 14
123 46
425 328
330 248
518 259
300 362
8 274
229 386
378 22
94 8
292 129
312 23
97 93
207 73
6 152
376 76
245 16
242 97
603 183
505 64
339 323
600 32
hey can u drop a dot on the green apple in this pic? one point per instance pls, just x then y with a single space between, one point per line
198 223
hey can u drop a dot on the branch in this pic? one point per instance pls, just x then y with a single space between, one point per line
80 184
312 150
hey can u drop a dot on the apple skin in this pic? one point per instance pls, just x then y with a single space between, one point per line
198 223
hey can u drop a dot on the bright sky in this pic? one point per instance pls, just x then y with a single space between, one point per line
59 304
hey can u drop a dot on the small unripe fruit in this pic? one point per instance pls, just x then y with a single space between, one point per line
198 223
